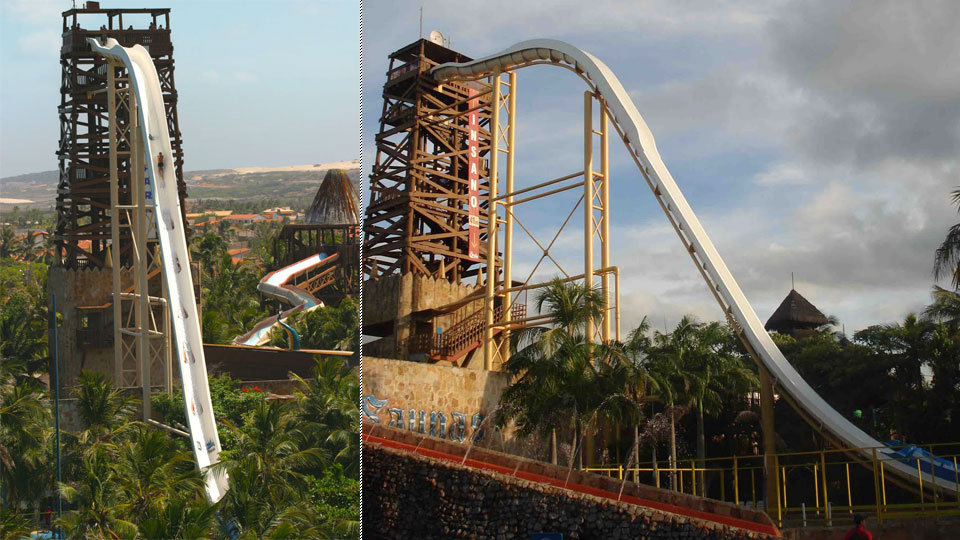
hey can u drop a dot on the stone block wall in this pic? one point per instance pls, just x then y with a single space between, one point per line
407 496
74 288
431 388
390 300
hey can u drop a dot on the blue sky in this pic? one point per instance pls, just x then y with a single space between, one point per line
809 138
260 83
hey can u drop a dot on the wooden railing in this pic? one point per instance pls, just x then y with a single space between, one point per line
460 338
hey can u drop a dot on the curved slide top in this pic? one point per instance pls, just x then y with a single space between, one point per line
176 258
640 142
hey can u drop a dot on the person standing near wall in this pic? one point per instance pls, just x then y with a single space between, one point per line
859 530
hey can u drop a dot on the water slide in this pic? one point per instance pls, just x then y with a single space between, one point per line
640 142
276 285
176 258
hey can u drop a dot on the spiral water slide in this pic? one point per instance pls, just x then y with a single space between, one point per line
176 259
642 147
276 285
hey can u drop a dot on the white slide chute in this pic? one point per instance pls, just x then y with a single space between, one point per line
176 258
640 142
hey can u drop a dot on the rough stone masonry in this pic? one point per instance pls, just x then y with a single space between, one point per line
409 496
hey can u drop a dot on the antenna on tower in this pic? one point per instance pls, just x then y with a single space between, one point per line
792 284
421 21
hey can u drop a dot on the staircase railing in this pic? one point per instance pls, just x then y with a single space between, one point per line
460 338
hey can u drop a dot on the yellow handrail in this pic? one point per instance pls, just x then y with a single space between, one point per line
828 477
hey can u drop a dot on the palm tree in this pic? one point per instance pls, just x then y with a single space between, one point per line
631 384
14 524
103 409
330 328
665 366
153 471
266 482
231 301
710 372
945 308
9 243
24 433
101 508
556 369
183 518
329 407
947 259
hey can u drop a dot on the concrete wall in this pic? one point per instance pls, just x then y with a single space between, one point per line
431 388
408 495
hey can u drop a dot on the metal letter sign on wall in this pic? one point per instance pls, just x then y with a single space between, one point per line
473 176
437 426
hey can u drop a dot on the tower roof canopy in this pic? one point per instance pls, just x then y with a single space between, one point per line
795 312
336 202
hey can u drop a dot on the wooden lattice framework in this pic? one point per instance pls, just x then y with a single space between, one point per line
417 216
83 193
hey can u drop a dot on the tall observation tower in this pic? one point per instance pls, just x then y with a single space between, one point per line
92 268
83 194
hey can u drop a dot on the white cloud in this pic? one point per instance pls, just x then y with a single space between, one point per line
782 174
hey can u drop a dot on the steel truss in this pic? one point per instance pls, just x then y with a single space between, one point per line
142 348
595 182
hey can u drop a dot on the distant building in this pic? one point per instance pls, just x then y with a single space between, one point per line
238 255
244 219
796 316
280 213
35 237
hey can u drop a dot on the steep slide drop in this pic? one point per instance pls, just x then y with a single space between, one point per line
640 142
176 258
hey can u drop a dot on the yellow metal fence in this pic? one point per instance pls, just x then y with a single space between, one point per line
813 488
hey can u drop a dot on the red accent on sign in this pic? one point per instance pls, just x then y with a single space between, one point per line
473 177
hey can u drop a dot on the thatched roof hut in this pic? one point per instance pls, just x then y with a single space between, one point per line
795 316
336 202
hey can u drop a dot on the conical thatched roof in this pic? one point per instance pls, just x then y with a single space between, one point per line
336 202
795 312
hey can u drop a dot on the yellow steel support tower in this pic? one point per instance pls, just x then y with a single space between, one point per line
141 339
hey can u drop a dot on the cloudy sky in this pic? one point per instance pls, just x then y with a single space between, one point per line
260 83
818 138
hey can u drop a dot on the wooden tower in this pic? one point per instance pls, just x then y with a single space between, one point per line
83 230
419 218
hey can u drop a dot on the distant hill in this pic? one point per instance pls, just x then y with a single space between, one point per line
293 185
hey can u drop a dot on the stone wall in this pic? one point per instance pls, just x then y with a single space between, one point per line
407 495
431 388
389 303
74 288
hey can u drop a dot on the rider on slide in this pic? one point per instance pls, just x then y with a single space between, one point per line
160 162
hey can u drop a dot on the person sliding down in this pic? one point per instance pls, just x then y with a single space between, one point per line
160 162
